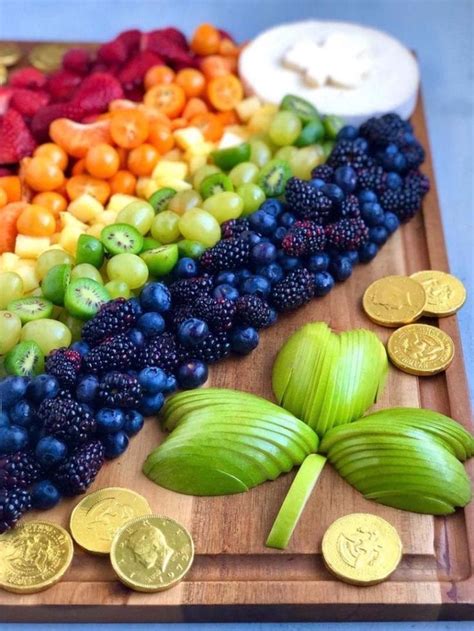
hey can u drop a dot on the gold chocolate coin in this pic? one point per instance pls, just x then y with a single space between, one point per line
420 349
34 556
394 300
3 74
98 516
10 53
361 549
47 57
445 294
152 553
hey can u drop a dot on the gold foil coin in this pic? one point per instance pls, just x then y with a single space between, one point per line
3 74
34 556
420 349
98 516
47 57
10 53
361 549
394 300
152 553
445 294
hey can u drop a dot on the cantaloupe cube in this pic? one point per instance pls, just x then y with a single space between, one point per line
31 247
85 208
166 169
119 201
247 108
188 136
146 186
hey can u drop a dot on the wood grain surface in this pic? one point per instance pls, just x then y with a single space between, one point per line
234 576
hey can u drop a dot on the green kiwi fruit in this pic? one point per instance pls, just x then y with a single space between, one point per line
120 237
273 177
31 308
55 283
215 183
303 109
25 359
84 297
161 198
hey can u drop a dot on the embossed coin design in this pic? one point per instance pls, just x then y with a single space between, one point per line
420 349
361 549
445 294
394 300
10 53
47 57
34 556
152 553
98 516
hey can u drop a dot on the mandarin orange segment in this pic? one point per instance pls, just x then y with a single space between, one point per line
129 128
224 93
209 124
81 184
194 107
206 40
158 74
77 138
36 221
179 123
168 99
53 201
53 152
228 118
79 167
8 217
11 184
123 182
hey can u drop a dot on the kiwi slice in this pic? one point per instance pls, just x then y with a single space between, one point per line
89 250
150 244
120 237
31 308
273 177
84 297
161 198
25 359
215 183
55 283
160 261
228 158
300 107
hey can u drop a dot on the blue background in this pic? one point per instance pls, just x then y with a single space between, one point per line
441 32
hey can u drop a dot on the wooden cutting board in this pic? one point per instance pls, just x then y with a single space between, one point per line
234 576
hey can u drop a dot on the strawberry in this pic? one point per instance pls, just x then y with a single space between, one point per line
76 60
131 39
8 217
114 52
62 85
96 92
29 78
5 97
45 116
17 141
132 74
154 39
28 102
174 55
4 172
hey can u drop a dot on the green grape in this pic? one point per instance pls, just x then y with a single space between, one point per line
165 227
11 288
184 200
304 161
260 152
10 329
224 206
201 173
86 270
140 215
199 225
48 334
73 324
284 128
252 197
286 153
243 173
118 289
49 259
129 268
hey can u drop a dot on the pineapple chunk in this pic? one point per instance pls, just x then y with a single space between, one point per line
166 169
261 119
146 187
174 155
230 139
195 162
108 217
200 149
95 230
31 247
247 108
69 237
119 201
187 137
68 220
85 207
26 268
173 182
8 261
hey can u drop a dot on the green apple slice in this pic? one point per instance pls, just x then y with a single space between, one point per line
295 501
413 502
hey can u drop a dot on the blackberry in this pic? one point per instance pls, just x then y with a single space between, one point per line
227 254
65 365
384 130
114 353
349 207
121 390
67 420
347 234
253 311
234 228
18 470
116 316
161 351
294 290
306 201
414 155
185 291
219 314
78 472
418 182
404 202
304 238
372 179
349 152
323 172
179 314
13 504
214 347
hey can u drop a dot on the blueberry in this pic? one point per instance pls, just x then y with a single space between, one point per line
262 222
192 374
378 234
81 347
346 178
22 413
334 192
391 222
391 149
12 439
288 263
152 379
50 451
341 268
226 278
151 323
348 132
353 256
251 237
257 285
171 385
151 404
4 419
42 387
263 253
323 283
115 444
243 339
155 297
243 274
393 180
192 331
279 234
109 420
287 219
225 292
408 138
273 272
368 251
133 422
87 388
372 213
367 196
272 317
186 268
136 336
12 389
137 308
361 144
318 262
317 182
272 206
44 495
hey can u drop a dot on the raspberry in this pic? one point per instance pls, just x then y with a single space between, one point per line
161 351
234 227
293 291
18 470
214 347
227 254
17 141
118 389
62 84
28 102
66 419
76 60
167 45
186 291
155 39
13 504
64 364
5 98
133 73
219 314
47 114
96 92
306 201
347 234
113 52
78 472
114 353
131 39
116 316
253 311
29 78
304 238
